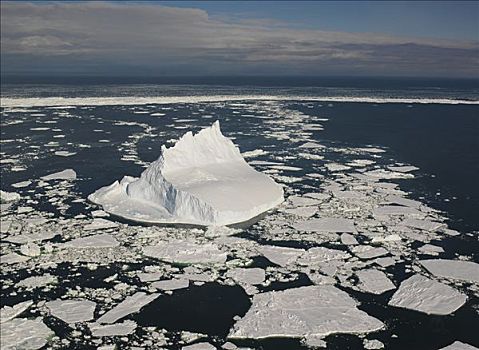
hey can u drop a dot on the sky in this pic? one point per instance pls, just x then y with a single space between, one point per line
241 38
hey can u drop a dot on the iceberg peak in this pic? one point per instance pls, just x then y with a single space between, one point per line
202 180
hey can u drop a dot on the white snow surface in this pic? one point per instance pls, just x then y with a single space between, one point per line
297 312
11 102
457 345
455 269
71 311
130 305
201 180
425 295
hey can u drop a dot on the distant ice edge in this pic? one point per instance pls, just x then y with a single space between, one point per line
15 102
201 180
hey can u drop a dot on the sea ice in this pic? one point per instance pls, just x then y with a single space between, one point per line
68 174
425 295
100 224
173 284
326 225
297 312
30 237
425 225
368 252
64 153
247 275
457 345
374 281
455 269
128 306
37 281
186 252
72 311
6 197
22 184
10 312
318 255
348 239
21 333
13 258
281 256
30 249
202 179
117 329
96 241
199 346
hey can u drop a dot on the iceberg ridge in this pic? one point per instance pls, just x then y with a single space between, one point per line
201 180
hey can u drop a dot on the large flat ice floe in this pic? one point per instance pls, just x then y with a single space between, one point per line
298 312
425 295
201 180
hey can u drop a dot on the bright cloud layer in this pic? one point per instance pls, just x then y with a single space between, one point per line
141 38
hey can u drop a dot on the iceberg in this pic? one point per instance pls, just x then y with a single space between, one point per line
201 180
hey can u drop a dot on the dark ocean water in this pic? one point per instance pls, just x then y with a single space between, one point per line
441 139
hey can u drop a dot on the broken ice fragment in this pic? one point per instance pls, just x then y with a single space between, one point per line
425 295
72 311
199 346
30 249
64 153
348 239
68 174
202 179
396 210
173 284
128 306
403 169
117 329
96 241
6 197
247 275
326 225
318 255
369 252
186 252
374 281
21 333
21 184
455 269
313 310
37 281
9 312
100 224
281 256
13 258
457 345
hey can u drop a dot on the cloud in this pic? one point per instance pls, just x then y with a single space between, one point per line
143 38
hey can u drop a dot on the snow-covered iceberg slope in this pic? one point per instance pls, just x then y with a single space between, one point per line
201 180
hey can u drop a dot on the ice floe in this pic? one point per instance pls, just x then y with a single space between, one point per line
72 311
22 333
117 329
128 306
374 281
457 345
68 174
104 240
297 312
455 269
326 225
6 197
202 180
10 312
173 284
422 294
186 252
